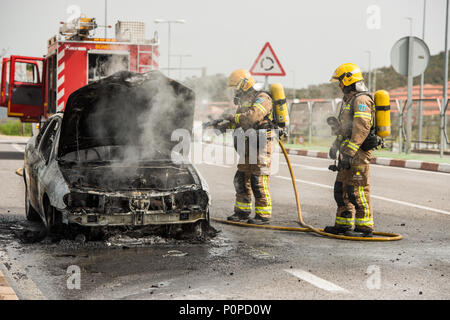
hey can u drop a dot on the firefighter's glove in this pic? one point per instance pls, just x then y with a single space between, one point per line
282 134
333 152
346 161
228 116
334 149
223 126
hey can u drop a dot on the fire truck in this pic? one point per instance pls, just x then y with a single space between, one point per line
33 88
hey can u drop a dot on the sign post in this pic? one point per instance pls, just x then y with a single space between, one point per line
267 64
409 57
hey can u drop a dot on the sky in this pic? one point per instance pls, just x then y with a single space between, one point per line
310 38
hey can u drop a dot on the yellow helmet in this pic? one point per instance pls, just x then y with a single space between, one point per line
240 79
348 73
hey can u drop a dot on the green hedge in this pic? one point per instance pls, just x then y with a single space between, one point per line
12 128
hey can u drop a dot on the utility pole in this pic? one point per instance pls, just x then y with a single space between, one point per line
169 22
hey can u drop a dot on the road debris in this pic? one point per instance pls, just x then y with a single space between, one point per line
175 253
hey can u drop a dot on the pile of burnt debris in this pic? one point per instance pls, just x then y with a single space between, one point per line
34 232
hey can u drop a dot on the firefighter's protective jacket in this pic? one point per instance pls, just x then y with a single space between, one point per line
252 112
356 117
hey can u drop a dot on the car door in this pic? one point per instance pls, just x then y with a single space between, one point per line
22 87
41 159
31 160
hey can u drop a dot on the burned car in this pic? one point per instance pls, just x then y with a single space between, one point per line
108 159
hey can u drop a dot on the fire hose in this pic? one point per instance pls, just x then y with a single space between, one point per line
381 236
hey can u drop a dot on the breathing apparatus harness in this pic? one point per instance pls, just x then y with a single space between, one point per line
372 140
281 120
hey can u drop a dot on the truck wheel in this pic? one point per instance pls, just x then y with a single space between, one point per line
30 213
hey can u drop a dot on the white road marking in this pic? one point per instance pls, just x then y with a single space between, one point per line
417 171
306 182
306 167
316 281
405 203
409 204
378 166
17 147
216 164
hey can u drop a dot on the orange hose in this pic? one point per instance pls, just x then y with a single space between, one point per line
385 236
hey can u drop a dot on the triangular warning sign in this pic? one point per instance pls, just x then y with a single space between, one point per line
267 63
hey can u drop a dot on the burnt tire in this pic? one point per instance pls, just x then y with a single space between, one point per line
199 230
53 218
30 213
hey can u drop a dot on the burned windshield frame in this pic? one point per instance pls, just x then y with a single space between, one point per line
48 139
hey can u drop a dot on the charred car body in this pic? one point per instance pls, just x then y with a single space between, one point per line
107 161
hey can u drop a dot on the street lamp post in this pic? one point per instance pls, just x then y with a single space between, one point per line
293 86
410 91
181 56
422 76
106 19
375 79
169 22
410 25
370 68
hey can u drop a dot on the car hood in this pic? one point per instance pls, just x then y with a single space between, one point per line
127 109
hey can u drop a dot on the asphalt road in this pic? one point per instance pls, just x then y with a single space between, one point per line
247 263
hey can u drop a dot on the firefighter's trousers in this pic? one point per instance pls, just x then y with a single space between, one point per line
253 179
248 184
352 194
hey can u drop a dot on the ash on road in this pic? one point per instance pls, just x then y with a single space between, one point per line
245 263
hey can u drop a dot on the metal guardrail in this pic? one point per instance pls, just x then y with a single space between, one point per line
307 123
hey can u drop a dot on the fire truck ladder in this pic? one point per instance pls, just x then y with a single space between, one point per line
139 51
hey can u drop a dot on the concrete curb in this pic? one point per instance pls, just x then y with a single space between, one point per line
6 292
411 164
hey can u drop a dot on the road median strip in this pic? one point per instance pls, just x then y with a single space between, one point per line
411 164
400 163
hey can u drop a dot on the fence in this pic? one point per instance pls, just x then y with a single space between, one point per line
308 124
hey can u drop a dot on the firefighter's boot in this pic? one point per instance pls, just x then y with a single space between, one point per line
360 232
336 230
259 220
238 217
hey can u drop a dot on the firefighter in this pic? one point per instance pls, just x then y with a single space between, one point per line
355 142
253 116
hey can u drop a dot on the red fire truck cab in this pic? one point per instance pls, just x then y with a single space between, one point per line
34 88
